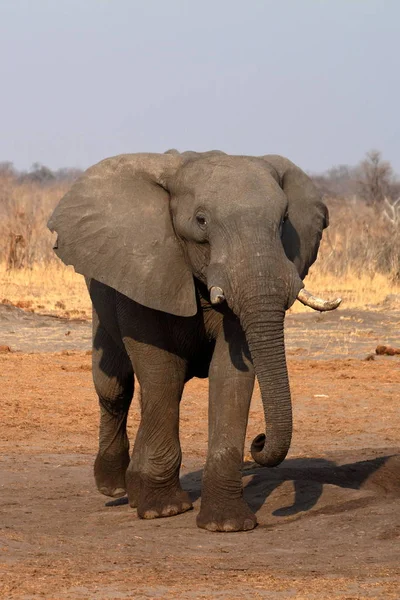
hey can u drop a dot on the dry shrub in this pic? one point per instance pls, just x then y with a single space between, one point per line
360 242
24 210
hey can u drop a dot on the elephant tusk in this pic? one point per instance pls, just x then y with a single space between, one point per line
216 295
308 299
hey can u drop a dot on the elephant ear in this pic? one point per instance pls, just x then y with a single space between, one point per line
114 225
307 214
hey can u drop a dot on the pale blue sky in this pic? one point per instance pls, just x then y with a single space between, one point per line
317 81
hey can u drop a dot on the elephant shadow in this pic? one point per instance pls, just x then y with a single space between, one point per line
308 476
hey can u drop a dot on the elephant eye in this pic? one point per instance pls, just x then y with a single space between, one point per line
201 221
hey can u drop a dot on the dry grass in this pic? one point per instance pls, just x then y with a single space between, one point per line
359 258
53 289
356 291
24 211
57 289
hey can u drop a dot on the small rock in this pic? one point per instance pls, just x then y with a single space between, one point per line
5 349
388 350
23 304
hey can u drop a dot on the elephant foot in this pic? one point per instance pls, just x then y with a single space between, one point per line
109 473
227 518
161 503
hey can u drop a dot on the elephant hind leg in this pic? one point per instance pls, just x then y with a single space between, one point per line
114 383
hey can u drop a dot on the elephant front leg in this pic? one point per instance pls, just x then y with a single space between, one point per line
231 386
153 474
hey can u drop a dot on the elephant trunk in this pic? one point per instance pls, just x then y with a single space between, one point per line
263 326
258 289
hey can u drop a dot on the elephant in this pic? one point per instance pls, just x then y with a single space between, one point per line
191 261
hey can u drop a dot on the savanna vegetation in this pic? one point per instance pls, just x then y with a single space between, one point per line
359 257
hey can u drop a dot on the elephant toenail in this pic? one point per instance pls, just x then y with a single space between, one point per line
230 527
169 511
150 514
249 524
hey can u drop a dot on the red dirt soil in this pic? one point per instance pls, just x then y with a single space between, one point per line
329 519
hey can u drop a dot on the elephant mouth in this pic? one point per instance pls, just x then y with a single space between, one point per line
217 296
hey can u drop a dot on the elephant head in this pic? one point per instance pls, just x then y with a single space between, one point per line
248 228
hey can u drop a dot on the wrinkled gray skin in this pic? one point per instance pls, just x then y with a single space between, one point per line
153 233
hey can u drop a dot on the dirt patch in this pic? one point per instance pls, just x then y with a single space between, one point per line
25 331
338 334
329 516
346 333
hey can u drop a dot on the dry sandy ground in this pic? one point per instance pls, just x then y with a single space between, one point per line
329 515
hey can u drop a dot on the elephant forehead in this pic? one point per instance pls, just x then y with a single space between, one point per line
241 180
220 170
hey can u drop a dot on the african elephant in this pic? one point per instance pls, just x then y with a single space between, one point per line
191 261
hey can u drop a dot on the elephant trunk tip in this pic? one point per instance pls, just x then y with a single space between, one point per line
264 454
